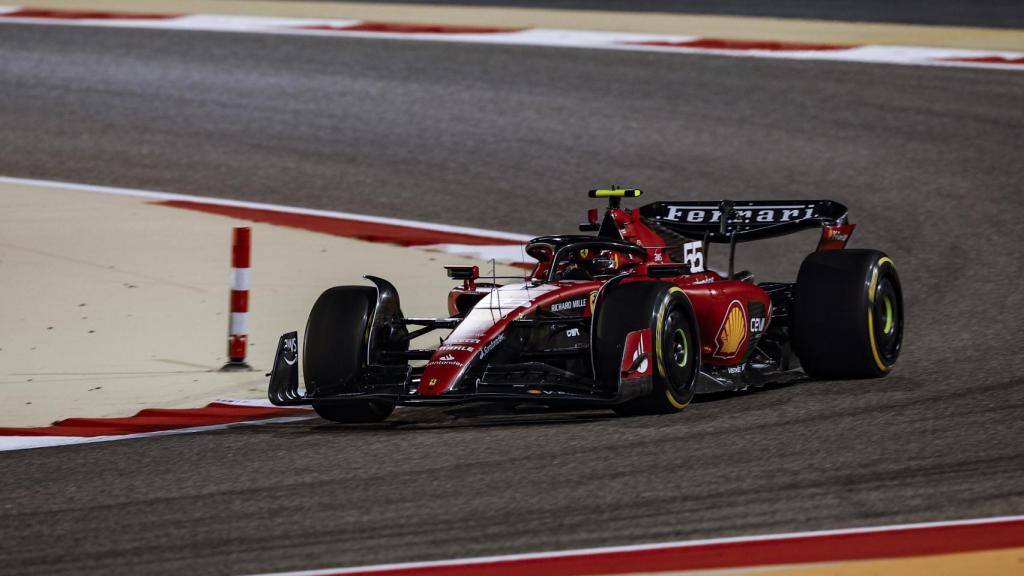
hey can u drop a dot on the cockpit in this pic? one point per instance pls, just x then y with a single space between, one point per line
582 258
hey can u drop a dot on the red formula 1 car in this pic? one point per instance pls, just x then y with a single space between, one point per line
629 318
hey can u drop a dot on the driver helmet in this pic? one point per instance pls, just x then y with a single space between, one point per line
596 262
604 263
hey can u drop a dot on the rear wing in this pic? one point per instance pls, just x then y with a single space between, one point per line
745 219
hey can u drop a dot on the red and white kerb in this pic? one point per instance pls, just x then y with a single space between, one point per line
238 326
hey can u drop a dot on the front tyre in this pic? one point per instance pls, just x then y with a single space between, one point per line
665 310
335 350
848 314
676 360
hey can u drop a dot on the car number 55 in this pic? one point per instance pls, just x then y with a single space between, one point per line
693 254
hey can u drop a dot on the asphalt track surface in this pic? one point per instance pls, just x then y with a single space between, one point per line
982 13
928 159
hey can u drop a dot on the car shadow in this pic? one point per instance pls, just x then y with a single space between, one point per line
480 416
473 416
732 394
497 415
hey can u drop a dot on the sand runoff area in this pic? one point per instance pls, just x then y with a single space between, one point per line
111 304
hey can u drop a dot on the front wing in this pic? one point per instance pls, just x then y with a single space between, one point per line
518 383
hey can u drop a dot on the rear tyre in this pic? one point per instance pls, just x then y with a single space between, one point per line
665 310
848 314
335 349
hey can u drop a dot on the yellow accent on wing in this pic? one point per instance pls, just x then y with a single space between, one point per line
616 193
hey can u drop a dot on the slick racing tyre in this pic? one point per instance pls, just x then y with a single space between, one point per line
665 310
848 314
334 350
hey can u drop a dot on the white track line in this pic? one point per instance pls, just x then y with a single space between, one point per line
164 196
500 253
8 443
24 442
583 552
874 54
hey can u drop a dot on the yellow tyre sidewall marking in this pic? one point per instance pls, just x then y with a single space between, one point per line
871 312
874 276
889 324
657 350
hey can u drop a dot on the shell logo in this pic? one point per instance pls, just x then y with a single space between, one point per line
733 332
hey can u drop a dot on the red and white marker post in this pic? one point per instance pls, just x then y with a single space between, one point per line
238 325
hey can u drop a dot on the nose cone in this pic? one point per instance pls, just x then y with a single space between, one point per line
483 326
443 371
448 363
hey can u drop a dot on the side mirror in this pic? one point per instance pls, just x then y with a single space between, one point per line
468 274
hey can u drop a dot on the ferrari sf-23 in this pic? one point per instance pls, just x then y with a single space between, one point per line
629 318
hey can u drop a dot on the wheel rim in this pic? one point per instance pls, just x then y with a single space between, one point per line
888 326
676 346
680 348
